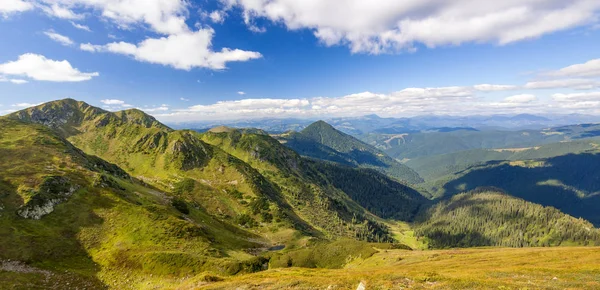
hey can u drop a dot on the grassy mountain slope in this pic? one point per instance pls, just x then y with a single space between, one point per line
174 161
321 141
489 218
288 198
316 195
490 268
83 221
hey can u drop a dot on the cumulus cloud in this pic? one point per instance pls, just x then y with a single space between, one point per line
176 45
24 105
578 102
588 69
520 99
14 6
18 81
184 99
59 11
115 104
241 93
181 51
162 108
217 16
408 101
580 84
494 88
40 68
380 26
162 16
81 26
112 102
578 97
64 40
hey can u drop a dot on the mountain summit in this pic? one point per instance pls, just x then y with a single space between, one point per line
320 140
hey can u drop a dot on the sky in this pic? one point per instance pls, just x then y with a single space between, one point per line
185 61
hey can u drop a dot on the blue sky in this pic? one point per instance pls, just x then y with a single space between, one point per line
230 59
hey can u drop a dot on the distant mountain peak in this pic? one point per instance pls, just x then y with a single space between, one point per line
319 125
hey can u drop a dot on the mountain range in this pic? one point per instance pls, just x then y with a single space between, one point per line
361 125
99 199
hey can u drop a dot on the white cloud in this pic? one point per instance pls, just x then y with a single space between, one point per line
379 26
90 47
493 88
115 104
588 69
241 93
217 16
81 26
181 51
14 6
184 99
520 99
582 84
112 102
162 16
407 101
24 105
18 81
157 109
176 45
577 97
64 40
59 11
578 102
38 67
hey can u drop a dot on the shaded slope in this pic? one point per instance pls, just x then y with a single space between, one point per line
321 141
570 183
490 218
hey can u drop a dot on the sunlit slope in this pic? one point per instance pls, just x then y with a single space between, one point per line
86 222
499 268
314 193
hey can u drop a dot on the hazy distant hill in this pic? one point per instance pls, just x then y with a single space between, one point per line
438 166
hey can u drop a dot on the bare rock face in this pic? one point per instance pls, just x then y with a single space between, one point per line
53 191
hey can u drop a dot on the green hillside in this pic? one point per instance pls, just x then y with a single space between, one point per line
87 223
321 141
243 177
318 197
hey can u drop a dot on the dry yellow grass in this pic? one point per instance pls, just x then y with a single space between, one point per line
490 268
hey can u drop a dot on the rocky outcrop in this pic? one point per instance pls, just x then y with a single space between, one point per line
53 191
